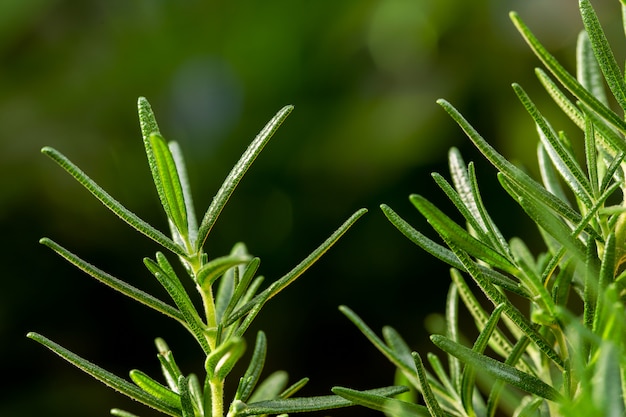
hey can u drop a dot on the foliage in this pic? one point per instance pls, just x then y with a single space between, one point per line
561 351
229 289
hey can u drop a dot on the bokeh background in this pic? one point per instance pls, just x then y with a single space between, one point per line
363 76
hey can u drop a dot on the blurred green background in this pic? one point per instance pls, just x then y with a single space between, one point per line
363 76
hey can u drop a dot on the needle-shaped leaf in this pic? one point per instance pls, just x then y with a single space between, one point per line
169 367
121 413
399 361
222 359
448 228
497 369
496 297
603 53
512 172
498 341
181 169
230 280
293 388
429 397
472 220
112 204
246 288
549 175
591 156
115 283
445 254
606 135
397 344
196 394
390 406
147 121
565 78
469 372
271 387
107 377
185 397
217 267
452 331
308 404
168 184
497 239
588 71
169 280
253 372
237 173
553 225
155 388
561 158
444 386
464 180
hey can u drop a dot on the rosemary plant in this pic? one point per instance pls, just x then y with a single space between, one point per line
229 290
567 355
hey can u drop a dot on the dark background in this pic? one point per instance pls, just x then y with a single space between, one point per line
363 76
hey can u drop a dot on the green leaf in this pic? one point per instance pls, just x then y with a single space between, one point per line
196 394
253 372
112 204
431 401
169 367
390 406
121 413
464 179
106 377
591 156
561 158
293 388
215 268
115 283
224 357
155 388
230 281
604 54
445 254
607 382
408 367
168 184
169 280
452 330
237 173
147 121
185 397
513 173
605 135
446 227
271 387
568 81
181 169
445 388
498 341
544 218
588 71
397 344
496 297
475 225
308 404
498 394
497 369
469 373
246 288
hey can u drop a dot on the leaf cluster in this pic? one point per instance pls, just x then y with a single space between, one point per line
230 291
561 351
